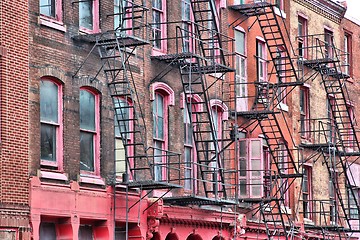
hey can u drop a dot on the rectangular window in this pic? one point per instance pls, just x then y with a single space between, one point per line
261 61
159 136
282 165
307 192
329 44
302 37
331 135
123 136
89 16
353 198
158 26
89 131
305 112
251 167
281 78
188 149
240 66
51 123
333 178
186 17
51 9
349 141
347 54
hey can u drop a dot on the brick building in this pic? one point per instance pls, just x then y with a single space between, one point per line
186 120
14 62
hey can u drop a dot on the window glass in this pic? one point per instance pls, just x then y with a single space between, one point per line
87 110
48 101
240 42
87 151
123 115
47 7
47 231
48 142
86 14
158 116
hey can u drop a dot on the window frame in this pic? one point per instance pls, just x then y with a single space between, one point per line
261 60
348 54
95 18
329 43
240 73
162 29
304 109
59 128
129 138
187 26
95 133
249 178
168 95
307 193
302 38
53 21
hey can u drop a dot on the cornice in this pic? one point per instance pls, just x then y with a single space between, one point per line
326 8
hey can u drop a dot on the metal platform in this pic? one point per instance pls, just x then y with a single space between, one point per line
197 200
124 40
151 185
251 9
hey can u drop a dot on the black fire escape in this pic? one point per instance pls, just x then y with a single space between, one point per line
266 112
334 138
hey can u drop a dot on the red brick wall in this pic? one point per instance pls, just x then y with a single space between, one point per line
14 76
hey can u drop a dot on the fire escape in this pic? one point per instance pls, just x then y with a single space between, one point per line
202 65
334 137
266 112
136 165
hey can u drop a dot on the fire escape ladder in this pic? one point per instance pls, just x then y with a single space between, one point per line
210 40
275 218
278 147
204 132
340 213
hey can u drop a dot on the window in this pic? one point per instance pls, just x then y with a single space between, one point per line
47 231
347 54
251 167
86 232
332 195
51 9
354 199
118 14
349 124
89 132
186 17
261 61
162 96
280 4
159 30
281 78
188 149
51 123
305 112
282 165
123 135
89 16
330 103
329 45
307 192
302 37
240 66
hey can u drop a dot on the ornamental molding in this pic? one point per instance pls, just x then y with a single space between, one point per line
328 9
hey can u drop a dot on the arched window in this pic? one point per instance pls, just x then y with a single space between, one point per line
162 96
51 123
89 131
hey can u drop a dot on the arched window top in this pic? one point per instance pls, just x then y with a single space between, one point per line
53 79
219 104
163 89
192 97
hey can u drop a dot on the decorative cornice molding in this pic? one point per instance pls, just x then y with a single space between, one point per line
326 8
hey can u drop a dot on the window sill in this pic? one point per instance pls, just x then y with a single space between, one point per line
308 221
280 13
88 31
283 107
52 23
157 52
96 180
53 175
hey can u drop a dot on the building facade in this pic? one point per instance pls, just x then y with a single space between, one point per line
183 119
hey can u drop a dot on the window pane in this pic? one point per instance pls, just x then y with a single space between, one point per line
87 110
243 186
122 114
255 149
255 167
157 4
256 188
48 101
47 231
48 142
158 117
243 167
85 232
243 152
86 14
119 157
87 151
47 7
240 42
158 161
